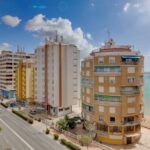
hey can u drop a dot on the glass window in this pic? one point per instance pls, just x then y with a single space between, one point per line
131 99
101 79
101 60
112 119
112 89
131 69
112 110
101 108
101 89
87 64
111 60
111 79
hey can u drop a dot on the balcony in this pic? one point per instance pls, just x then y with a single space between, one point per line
87 108
86 83
132 120
107 70
132 82
130 60
129 123
106 99
129 90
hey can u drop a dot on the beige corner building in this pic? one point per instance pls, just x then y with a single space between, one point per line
112 93
24 83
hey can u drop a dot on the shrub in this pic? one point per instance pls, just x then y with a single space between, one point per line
39 120
26 118
56 136
47 131
4 105
84 140
69 145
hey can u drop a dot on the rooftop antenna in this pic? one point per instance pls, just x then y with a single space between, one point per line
56 39
108 34
62 39
46 40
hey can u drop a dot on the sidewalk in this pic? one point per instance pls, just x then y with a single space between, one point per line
41 128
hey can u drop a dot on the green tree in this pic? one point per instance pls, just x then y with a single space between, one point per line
62 124
84 140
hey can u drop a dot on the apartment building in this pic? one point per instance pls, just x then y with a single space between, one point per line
112 93
57 81
24 83
8 64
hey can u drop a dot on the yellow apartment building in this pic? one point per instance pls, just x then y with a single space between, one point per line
112 93
24 83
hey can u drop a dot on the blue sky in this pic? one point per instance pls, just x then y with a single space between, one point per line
82 22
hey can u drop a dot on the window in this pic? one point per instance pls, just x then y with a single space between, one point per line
87 73
101 60
111 60
87 91
112 89
83 97
106 69
87 99
101 79
131 99
87 64
131 110
112 119
83 73
131 69
112 110
101 89
141 108
130 80
82 90
101 118
111 79
61 109
101 108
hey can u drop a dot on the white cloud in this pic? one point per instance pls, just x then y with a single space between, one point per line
89 36
92 4
126 7
42 26
12 21
5 46
137 5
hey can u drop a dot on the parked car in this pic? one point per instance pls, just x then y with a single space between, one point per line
78 119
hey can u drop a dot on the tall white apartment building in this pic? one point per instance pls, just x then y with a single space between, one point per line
8 64
57 78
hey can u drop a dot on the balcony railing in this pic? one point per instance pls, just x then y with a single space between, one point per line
125 92
134 122
107 73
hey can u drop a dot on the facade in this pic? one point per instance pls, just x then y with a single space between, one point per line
112 93
57 77
8 64
24 83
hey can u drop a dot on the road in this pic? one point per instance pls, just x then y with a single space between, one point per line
17 134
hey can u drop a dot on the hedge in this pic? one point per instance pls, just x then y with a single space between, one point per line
4 105
69 145
26 118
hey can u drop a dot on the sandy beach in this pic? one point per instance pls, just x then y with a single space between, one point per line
146 122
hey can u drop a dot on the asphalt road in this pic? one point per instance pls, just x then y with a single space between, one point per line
17 134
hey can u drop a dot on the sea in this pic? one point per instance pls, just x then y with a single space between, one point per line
147 94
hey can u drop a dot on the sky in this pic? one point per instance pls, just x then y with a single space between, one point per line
84 23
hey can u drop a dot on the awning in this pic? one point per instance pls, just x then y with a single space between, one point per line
132 57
